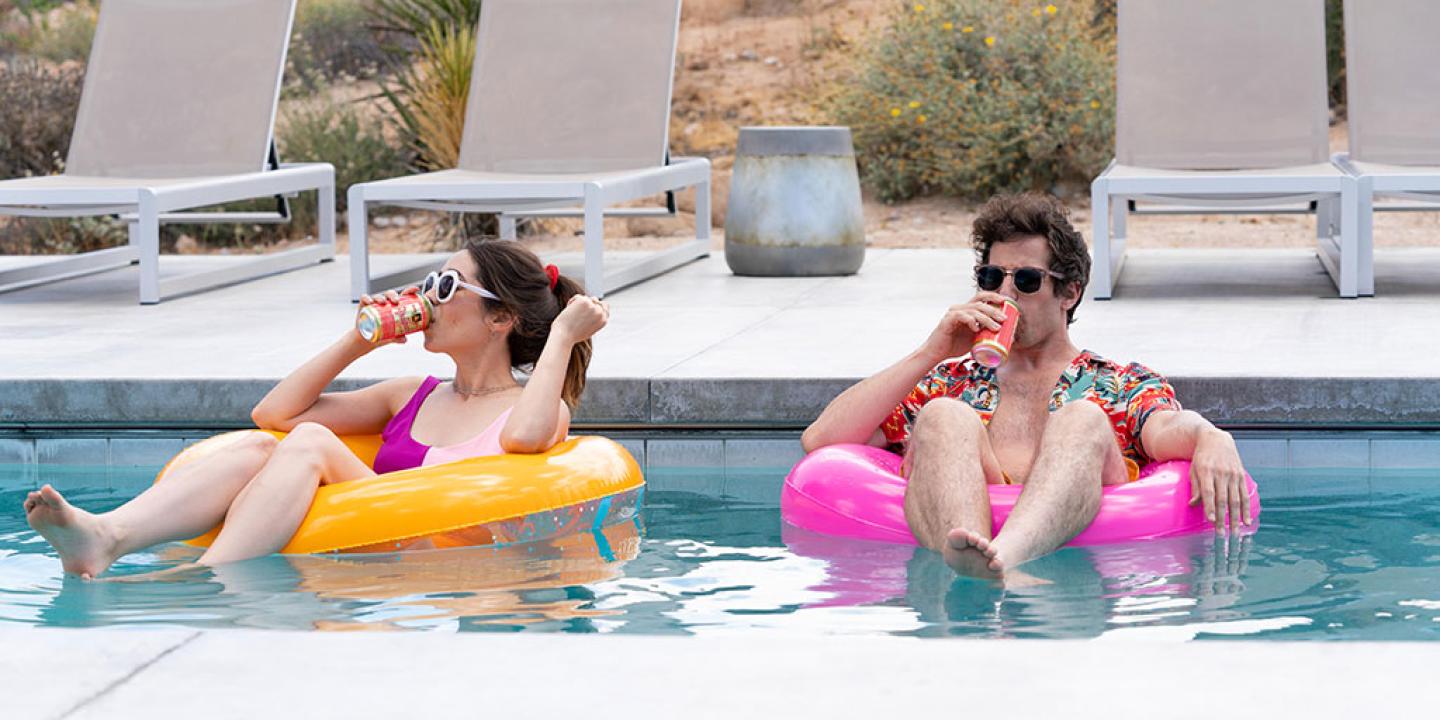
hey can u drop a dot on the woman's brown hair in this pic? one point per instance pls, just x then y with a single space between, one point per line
513 272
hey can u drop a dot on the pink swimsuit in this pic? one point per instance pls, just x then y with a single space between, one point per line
400 451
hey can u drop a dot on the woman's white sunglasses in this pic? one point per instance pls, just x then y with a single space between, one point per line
445 283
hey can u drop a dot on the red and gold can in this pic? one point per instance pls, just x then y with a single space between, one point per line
992 347
379 323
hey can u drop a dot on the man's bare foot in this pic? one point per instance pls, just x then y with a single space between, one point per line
968 553
84 543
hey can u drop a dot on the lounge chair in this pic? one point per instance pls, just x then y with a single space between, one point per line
568 113
176 113
1221 107
1393 103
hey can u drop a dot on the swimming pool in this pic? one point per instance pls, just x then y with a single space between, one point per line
1339 555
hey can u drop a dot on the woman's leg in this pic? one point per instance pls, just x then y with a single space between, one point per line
269 510
191 501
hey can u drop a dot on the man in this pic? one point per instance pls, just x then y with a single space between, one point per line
1060 421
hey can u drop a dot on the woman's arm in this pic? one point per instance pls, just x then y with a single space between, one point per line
540 418
301 396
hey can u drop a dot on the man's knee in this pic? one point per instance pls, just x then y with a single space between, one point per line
1083 415
1082 425
946 417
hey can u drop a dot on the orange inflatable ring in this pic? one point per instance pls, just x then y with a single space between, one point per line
582 484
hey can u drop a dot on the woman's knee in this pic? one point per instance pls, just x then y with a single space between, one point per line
258 444
307 435
307 444
947 416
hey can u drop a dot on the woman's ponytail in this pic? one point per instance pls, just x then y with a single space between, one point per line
565 288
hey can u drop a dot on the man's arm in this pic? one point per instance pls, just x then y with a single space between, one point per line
1217 477
855 416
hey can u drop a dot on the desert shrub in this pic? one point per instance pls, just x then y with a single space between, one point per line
333 41
1335 52
59 236
342 135
974 97
434 91
37 113
410 19
60 33
432 48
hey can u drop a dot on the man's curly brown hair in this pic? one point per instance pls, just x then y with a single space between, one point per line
1010 217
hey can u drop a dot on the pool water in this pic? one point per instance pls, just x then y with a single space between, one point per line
1336 557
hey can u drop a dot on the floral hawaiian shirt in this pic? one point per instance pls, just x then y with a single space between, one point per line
1128 394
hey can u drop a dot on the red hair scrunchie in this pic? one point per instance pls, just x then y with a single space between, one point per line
553 273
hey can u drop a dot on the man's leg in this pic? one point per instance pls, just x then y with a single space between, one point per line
1077 455
950 462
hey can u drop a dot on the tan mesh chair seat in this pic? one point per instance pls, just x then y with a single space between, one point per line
1221 106
557 180
1366 168
569 101
1315 170
80 182
176 113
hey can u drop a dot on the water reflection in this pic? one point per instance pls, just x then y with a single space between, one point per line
539 585
1084 591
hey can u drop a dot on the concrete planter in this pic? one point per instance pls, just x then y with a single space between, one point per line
794 205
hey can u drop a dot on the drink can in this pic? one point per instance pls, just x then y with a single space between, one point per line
992 347
379 323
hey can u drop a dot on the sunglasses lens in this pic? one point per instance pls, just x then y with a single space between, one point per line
445 287
1027 280
989 277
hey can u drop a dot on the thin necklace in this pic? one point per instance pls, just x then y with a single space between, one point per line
479 392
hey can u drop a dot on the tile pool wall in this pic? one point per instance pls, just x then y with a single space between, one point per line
746 465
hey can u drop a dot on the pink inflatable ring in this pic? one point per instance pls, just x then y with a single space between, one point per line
856 491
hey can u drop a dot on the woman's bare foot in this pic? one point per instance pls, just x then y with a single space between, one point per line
86 546
179 572
968 553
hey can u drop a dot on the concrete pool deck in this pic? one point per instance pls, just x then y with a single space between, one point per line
1249 338
252 674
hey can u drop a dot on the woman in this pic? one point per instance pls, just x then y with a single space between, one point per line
496 310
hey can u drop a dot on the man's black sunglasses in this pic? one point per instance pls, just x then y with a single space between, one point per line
1027 279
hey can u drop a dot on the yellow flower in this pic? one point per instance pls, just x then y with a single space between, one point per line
967 29
948 26
1035 12
914 104
1051 9
1094 104
919 8
920 120
990 40
894 112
